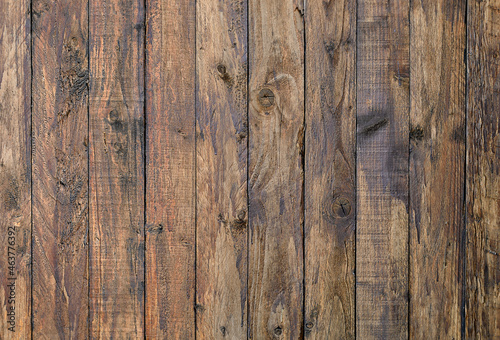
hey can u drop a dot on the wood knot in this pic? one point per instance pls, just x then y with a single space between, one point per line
223 330
416 133
266 98
278 331
341 207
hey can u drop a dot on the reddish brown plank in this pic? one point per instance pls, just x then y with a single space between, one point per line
170 172
482 307
221 178
330 166
437 120
116 253
382 169
276 127
15 170
60 169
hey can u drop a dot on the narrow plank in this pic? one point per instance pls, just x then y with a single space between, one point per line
330 166
382 169
15 170
482 307
221 179
437 144
276 127
170 172
60 169
116 217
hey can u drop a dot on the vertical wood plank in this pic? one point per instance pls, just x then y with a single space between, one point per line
330 165
276 126
116 251
382 169
60 169
482 314
437 144
15 169
221 169
170 172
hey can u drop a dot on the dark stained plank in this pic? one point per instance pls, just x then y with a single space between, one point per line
116 220
276 132
170 171
15 170
330 166
221 179
482 308
60 169
382 169
437 144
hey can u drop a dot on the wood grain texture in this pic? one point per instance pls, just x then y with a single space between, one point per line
482 314
15 170
221 179
116 224
276 126
330 166
382 169
170 172
437 151
60 169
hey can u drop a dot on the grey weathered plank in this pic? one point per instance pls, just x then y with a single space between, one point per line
382 169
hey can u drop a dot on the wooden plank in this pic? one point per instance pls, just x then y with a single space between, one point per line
437 144
170 172
330 169
116 253
15 170
60 169
382 169
482 307
221 146
276 127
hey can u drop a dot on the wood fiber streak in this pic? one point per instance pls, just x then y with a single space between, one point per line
60 169
276 117
170 172
330 165
15 169
482 308
382 169
221 147
437 151
116 252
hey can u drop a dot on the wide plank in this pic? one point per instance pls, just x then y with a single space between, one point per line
276 161
382 169
437 174
330 169
482 307
221 163
60 169
15 169
170 170
116 215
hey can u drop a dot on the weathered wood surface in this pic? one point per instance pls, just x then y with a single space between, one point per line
255 169
15 169
116 156
330 166
60 169
482 308
437 151
276 127
170 171
382 169
221 163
